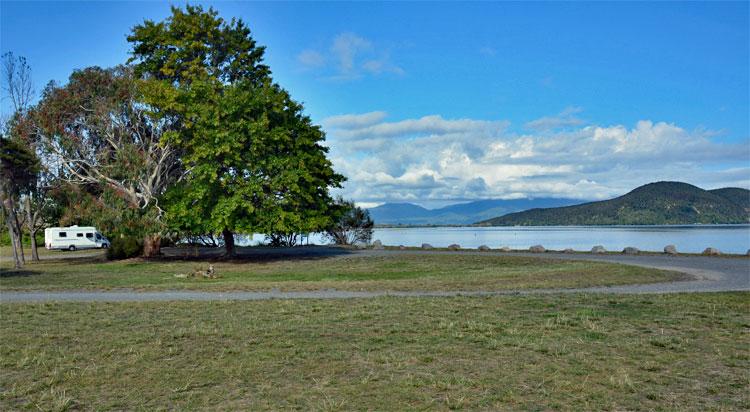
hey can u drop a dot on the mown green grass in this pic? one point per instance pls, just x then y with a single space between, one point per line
574 352
397 272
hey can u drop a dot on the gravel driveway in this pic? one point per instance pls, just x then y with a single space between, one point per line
710 274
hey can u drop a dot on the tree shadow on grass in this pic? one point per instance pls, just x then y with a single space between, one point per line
255 254
17 273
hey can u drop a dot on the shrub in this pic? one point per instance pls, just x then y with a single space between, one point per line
281 239
124 248
352 224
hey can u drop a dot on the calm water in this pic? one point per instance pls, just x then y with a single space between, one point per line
727 238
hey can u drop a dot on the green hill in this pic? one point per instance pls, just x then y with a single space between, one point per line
736 195
660 203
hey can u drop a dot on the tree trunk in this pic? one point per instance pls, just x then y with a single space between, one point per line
34 253
151 246
10 221
18 228
30 218
13 245
228 242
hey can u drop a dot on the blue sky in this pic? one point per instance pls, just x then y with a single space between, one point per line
437 103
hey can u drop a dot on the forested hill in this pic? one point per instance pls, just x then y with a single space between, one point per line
660 203
736 195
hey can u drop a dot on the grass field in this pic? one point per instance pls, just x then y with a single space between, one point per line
398 272
575 352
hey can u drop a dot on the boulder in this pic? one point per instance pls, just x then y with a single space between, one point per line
426 246
748 252
569 250
377 245
537 249
710 251
401 247
454 247
670 249
598 249
484 248
505 249
631 250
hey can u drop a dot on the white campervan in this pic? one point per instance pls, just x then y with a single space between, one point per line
74 237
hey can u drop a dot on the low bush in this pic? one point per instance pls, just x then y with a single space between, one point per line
124 248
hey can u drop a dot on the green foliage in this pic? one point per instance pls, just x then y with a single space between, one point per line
255 162
124 247
735 195
25 238
652 204
19 166
197 44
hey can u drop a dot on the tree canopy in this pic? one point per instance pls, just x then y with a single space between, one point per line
105 142
253 161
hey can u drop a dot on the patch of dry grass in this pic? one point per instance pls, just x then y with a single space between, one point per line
576 352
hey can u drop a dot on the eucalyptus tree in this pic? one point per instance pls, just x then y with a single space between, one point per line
102 138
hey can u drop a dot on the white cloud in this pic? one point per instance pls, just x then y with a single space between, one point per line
345 48
382 65
436 159
354 121
349 57
566 118
367 205
425 125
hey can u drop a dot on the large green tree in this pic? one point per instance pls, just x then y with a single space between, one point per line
253 161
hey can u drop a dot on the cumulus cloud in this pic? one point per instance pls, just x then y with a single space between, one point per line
349 57
432 158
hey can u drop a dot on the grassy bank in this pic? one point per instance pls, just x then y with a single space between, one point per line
398 272
578 352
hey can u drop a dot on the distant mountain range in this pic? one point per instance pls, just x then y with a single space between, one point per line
458 214
660 203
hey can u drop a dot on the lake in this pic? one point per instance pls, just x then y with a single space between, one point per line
687 238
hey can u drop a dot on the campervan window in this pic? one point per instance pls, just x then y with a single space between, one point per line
98 237
79 234
63 234
89 235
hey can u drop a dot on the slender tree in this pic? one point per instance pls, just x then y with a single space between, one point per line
17 85
18 171
18 88
253 161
